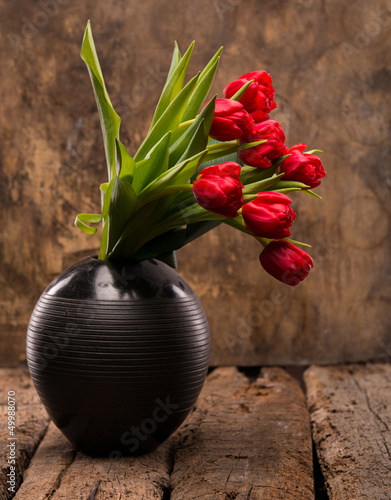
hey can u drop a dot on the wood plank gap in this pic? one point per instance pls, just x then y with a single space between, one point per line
350 413
319 481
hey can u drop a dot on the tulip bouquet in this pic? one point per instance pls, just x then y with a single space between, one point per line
201 165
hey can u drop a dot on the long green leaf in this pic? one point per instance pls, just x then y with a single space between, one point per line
81 220
261 185
168 121
290 184
228 149
109 119
241 91
168 177
150 168
202 89
126 163
176 58
174 83
122 206
180 146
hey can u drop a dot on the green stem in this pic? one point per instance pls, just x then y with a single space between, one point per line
178 221
212 147
168 190
185 125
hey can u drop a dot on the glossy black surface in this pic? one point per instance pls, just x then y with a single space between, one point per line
118 353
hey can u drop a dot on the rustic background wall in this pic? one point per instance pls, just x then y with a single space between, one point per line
331 68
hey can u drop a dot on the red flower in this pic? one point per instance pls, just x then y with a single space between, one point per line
219 190
230 120
261 156
302 167
286 262
258 99
269 215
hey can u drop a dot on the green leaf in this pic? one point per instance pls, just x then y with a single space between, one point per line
252 175
188 165
81 219
169 258
122 206
182 144
175 239
103 243
106 190
311 193
176 57
241 91
150 168
165 243
313 151
202 89
103 189
228 149
299 243
286 190
277 163
290 184
109 119
197 229
174 83
168 121
261 185
126 163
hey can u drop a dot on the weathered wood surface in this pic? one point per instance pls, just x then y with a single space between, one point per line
47 467
332 81
350 410
246 440
59 473
31 424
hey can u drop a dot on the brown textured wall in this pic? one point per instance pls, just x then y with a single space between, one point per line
331 67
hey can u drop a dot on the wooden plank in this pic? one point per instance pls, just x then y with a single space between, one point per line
44 474
133 478
246 440
350 411
59 473
52 162
31 424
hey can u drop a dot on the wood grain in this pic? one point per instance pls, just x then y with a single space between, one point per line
63 474
246 440
351 425
47 467
332 80
31 424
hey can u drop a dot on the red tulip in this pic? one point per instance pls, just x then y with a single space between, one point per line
230 121
302 167
261 156
269 215
286 262
258 99
219 190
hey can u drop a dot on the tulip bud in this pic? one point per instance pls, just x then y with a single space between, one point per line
230 121
269 215
261 156
286 262
258 100
219 190
302 167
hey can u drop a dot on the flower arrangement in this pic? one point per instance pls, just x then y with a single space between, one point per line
201 165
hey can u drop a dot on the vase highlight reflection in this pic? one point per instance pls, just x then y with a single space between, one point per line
118 353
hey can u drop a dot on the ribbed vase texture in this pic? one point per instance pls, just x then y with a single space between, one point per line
118 353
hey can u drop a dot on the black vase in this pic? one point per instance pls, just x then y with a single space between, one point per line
118 353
